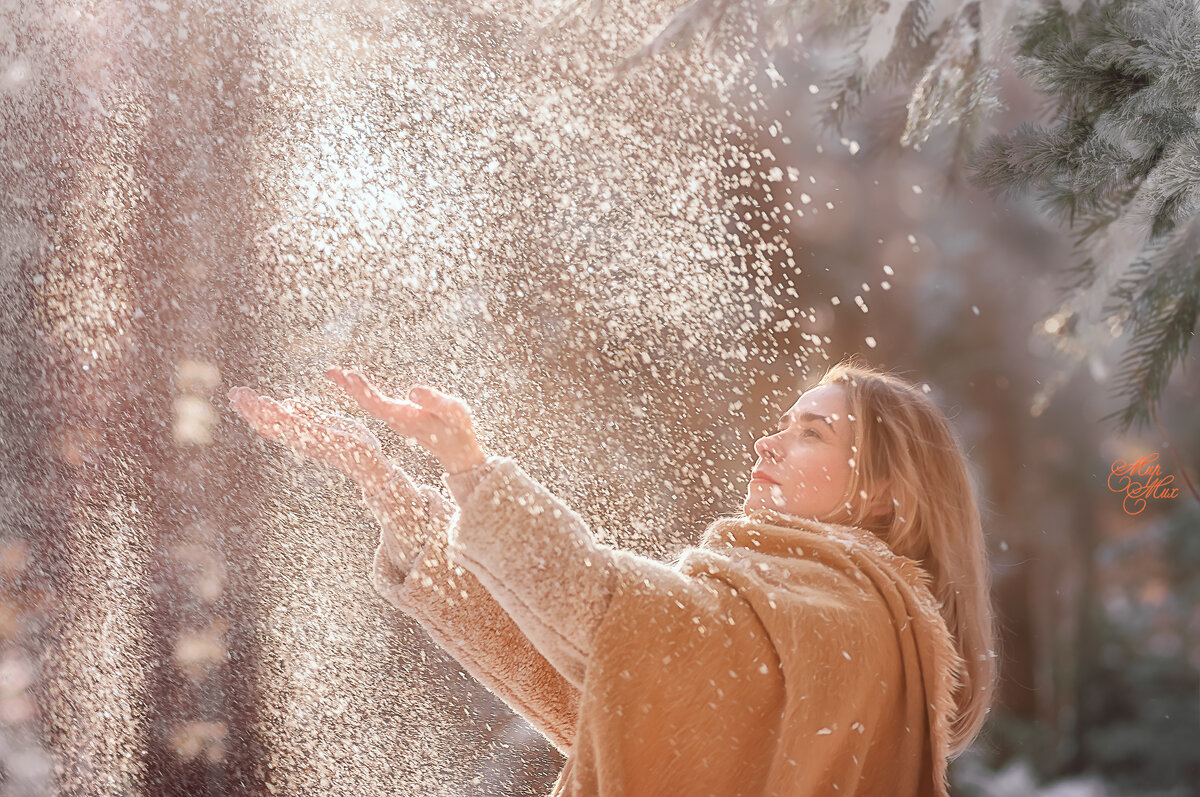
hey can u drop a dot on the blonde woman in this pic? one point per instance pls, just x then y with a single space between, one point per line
835 637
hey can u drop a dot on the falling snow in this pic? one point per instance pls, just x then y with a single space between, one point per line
227 193
243 195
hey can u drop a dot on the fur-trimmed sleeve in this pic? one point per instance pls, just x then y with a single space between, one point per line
537 558
412 571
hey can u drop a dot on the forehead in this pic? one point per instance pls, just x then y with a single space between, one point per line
823 400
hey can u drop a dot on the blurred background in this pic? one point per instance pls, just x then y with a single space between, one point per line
627 274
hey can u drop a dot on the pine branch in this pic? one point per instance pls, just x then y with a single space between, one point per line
956 82
697 17
1164 310
1158 346
912 47
1011 164
845 89
941 68
1174 451
1123 147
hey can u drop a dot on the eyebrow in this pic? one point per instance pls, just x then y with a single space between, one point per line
810 416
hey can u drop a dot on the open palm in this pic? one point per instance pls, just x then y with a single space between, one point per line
333 439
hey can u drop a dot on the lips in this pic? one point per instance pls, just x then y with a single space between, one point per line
758 474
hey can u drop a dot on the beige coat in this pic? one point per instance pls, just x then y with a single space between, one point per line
780 656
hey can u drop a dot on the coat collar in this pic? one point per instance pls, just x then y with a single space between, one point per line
779 532
771 532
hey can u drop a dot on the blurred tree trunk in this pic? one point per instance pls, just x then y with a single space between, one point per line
193 237
131 209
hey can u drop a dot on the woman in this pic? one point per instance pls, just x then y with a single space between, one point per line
835 637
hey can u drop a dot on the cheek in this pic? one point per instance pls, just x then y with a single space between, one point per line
841 472
838 466
798 479
819 470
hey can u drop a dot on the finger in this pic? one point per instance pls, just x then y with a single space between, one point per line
262 412
244 396
320 442
404 417
346 425
336 420
444 405
288 422
331 419
273 419
239 391
360 388
281 424
242 399
299 408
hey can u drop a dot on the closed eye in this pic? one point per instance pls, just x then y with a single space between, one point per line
808 430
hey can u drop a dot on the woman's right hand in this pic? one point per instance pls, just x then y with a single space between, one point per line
336 440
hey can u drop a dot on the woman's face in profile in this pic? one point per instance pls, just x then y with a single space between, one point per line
804 467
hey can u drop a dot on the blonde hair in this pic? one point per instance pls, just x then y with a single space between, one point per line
905 449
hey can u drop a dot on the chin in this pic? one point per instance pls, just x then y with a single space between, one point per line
754 502
763 496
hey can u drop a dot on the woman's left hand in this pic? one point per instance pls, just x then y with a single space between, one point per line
440 422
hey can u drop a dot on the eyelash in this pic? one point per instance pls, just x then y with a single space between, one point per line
806 431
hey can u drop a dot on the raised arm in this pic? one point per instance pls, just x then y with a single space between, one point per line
411 568
537 558
461 615
532 553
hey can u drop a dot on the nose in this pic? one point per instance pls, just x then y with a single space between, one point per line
763 449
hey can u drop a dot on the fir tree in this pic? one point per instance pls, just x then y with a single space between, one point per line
935 49
1119 164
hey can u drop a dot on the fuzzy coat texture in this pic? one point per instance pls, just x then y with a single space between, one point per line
780 657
